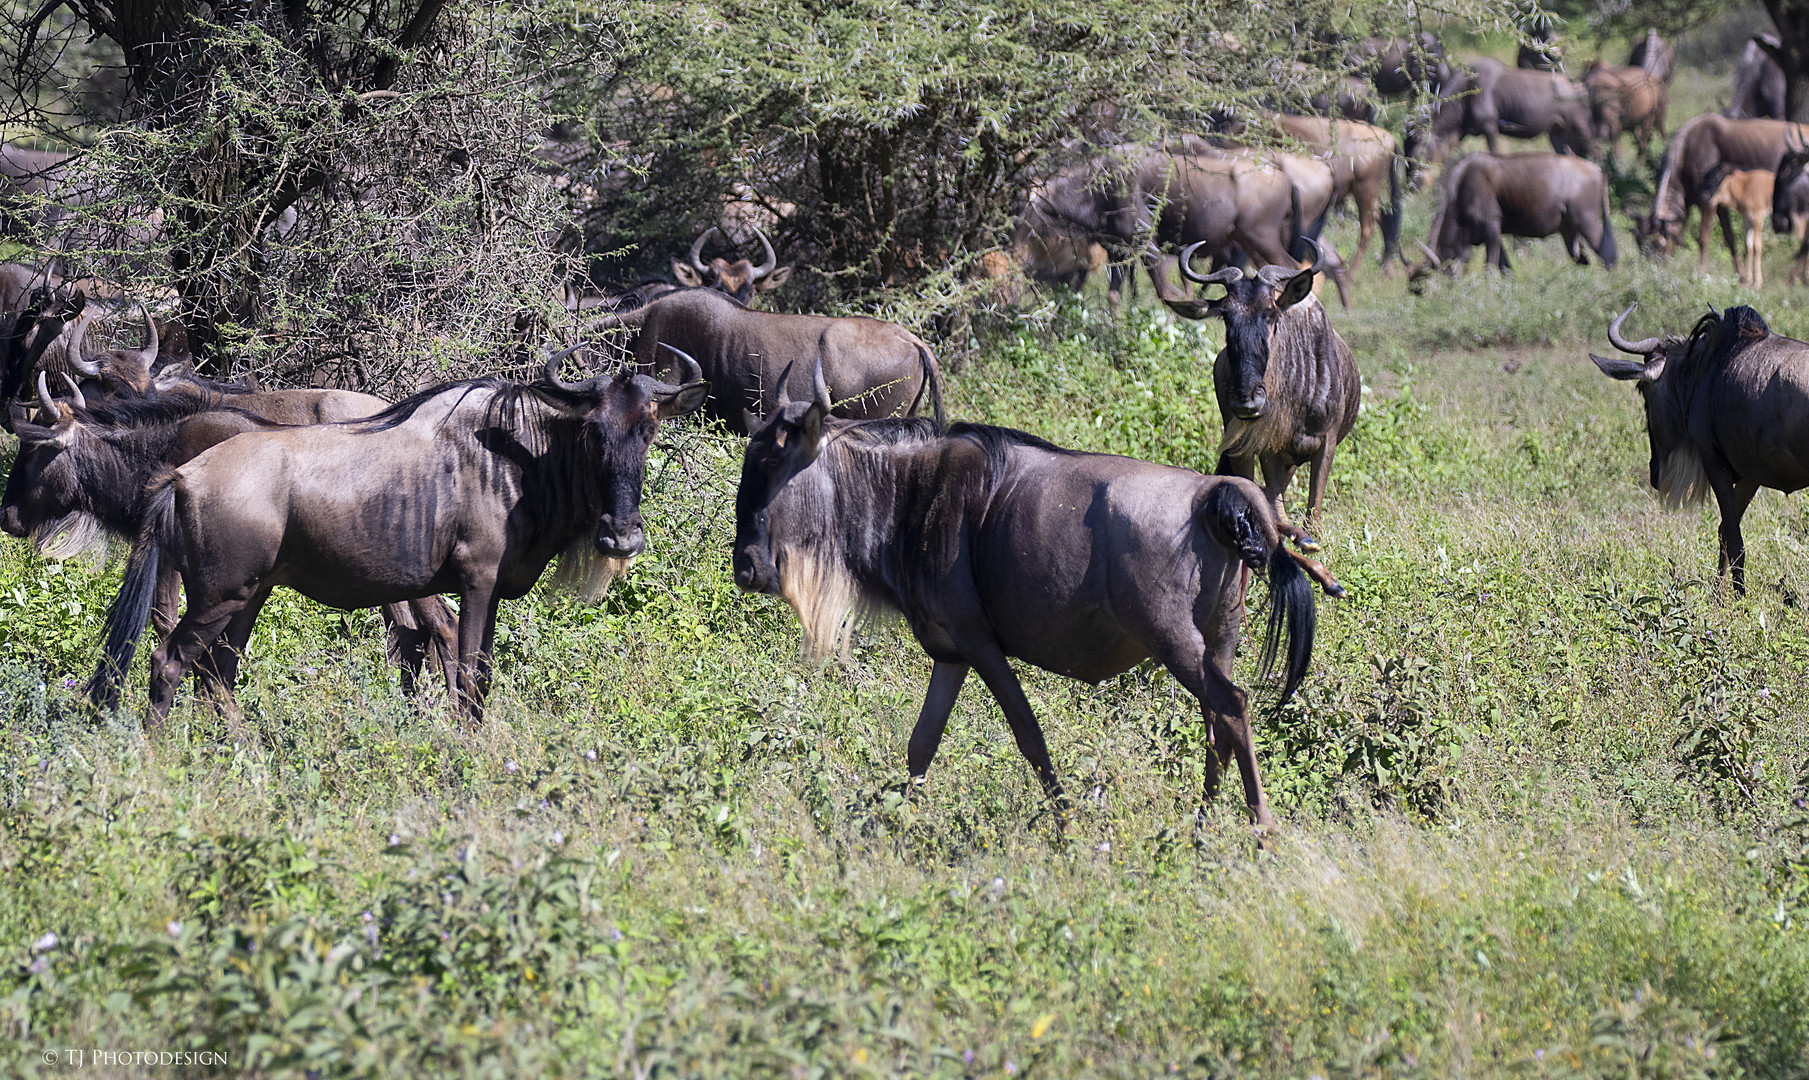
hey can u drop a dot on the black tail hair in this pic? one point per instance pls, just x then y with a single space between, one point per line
932 382
1607 250
126 619
1291 608
1391 217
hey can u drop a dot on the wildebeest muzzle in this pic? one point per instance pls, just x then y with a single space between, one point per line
754 570
1252 407
620 537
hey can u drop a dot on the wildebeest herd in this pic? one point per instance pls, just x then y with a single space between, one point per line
857 494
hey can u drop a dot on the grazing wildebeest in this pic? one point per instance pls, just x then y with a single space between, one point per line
1723 414
1629 99
1749 192
472 486
740 278
875 368
1287 388
1701 145
81 476
1043 251
1790 207
995 544
1758 84
1530 195
1363 160
1491 99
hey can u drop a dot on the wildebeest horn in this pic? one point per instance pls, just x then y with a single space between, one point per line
552 369
821 386
691 373
1430 254
1643 347
73 353
1226 276
1318 254
45 401
75 392
783 397
772 259
147 353
697 250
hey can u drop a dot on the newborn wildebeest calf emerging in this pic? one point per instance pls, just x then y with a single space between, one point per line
995 544
1288 389
472 486
1724 413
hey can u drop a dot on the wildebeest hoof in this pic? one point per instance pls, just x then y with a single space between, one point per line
1307 544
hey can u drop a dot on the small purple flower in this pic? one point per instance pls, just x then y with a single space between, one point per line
1011 1068
368 916
558 837
395 839
615 932
544 805
308 671
69 684
1539 1054
590 755
967 1056
510 766
45 943
1765 692
1105 847
39 966
175 928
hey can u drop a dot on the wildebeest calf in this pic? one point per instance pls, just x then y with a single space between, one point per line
995 544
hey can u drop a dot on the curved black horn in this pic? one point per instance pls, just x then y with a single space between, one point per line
692 371
75 392
552 369
1226 276
772 259
147 353
697 247
782 394
1318 254
72 354
1643 347
821 386
45 401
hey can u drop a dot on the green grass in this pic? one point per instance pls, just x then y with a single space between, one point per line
1541 792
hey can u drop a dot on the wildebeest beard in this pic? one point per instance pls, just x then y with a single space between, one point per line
77 535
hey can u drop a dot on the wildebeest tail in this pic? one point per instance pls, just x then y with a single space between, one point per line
1245 526
126 619
1607 250
932 384
1391 216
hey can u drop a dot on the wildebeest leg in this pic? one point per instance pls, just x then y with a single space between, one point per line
404 645
1732 496
1277 475
1573 244
194 635
1755 252
441 627
996 672
218 671
1224 708
477 636
1320 472
166 601
945 685
1726 216
1493 253
1799 228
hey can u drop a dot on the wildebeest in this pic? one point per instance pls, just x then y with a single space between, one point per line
19 281
739 278
1629 99
1653 55
1531 195
1790 207
1287 388
1401 66
1758 84
1363 160
81 476
1723 414
25 178
1540 51
875 368
1749 192
1701 145
1042 251
472 486
26 336
994 544
1491 99
1315 193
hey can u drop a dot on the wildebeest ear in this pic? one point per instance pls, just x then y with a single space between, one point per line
685 275
752 420
37 433
1617 368
1294 290
689 399
774 280
810 430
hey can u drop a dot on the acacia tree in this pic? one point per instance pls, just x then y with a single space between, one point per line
337 190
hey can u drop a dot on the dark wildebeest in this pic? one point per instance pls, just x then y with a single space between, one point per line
1758 84
740 278
1530 195
1790 207
473 486
1287 388
26 177
1703 144
81 475
1401 66
1363 161
1491 99
1723 414
1629 99
994 544
18 282
875 368
26 335
1540 52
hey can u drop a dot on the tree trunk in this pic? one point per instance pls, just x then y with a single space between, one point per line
1792 54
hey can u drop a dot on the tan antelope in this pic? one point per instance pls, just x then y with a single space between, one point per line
1749 192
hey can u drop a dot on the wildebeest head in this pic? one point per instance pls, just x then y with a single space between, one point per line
1250 306
1790 192
116 369
780 448
1675 468
25 337
621 415
43 498
740 278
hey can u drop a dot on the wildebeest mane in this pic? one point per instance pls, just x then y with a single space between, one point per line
1716 339
134 410
505 405
997 443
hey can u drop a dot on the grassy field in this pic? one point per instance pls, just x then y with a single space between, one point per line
1543 793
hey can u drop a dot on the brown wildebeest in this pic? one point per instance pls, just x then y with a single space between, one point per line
1701 145
1723 414
741 279
1401 66
474 486
1628 99
1530 195
1749 192
1653 55
1790 207
1491 99
1758 84
1287 388
81 476
876 368
1363 160
994 544
1315 193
